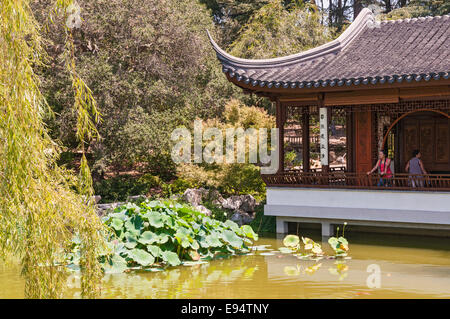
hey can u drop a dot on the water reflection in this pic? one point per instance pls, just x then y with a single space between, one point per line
406 272
340 269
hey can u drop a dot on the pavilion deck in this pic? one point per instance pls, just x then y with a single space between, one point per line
339 178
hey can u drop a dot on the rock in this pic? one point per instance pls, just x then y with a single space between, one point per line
244 202
97 198
203 210
195 196
233 202
216 198
102 209
240 206
136 198
248 203
213 194
241 217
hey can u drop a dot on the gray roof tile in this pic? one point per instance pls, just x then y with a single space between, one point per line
367 52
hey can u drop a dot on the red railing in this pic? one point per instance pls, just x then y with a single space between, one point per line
342 179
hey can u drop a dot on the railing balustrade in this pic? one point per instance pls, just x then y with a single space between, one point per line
342 179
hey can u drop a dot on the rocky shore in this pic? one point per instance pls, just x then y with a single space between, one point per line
239 208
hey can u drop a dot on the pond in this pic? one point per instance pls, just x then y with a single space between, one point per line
410 267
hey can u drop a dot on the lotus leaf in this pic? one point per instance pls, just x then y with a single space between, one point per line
291 241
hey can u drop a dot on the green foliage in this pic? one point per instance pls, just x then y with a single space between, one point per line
232 15
216 213
163 233
275 31
150 70
290 159
263 223
39 209
178 186
418 8
118 188
242 179
231 179
339 245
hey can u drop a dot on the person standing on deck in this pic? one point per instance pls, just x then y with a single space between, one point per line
415 167
384 165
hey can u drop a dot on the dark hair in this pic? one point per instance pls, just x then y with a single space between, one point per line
415 152
384 152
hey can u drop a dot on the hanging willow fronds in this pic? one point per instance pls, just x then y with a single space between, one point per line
39 209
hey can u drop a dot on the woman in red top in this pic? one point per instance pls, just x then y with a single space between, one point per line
384 164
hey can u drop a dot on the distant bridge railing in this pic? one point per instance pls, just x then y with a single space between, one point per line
342 179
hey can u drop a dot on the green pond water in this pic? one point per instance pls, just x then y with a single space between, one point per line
409 267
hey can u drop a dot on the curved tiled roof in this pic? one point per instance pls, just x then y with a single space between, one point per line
367 52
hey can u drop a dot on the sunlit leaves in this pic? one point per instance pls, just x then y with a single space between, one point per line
171 258
291 241
275 31
155 219
148 237
159 233
39 208
339 245
311 249
141 257
116 264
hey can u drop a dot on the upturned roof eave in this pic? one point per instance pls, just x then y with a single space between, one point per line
362 20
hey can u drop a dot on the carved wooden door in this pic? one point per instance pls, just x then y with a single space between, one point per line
431 135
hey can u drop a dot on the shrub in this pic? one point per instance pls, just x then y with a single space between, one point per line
262 223
118 188
239 179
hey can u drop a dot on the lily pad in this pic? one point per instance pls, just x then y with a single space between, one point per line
248 232
117 224
154 250
134 224
148 237
115 264
142 257
291 241
130 240
231 238
155 219
171 258
213 240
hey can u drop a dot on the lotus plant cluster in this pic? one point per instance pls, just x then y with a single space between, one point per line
313 250
157 234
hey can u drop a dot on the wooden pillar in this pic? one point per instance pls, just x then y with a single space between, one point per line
305 138
280 125
363 141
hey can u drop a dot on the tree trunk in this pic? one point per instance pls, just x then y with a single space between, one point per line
357 7
321 10
330 13
388 5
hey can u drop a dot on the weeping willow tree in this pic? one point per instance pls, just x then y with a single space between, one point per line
42 205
